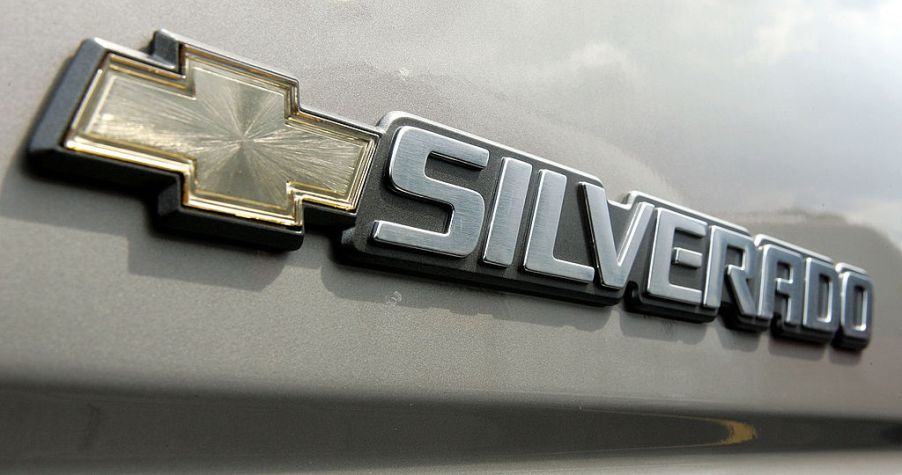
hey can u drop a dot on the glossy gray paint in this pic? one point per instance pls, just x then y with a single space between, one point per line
790 113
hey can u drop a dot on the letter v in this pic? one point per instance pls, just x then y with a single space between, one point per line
614 266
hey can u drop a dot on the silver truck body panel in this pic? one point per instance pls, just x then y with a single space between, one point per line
124 348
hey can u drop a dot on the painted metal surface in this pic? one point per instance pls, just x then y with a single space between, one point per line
788 113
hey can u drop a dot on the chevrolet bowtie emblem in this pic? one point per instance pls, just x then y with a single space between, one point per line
233 132
229 153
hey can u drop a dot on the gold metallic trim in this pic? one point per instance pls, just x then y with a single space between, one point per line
242 143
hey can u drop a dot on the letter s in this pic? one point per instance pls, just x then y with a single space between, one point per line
407 172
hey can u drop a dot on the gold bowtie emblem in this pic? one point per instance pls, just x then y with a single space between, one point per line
234 132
